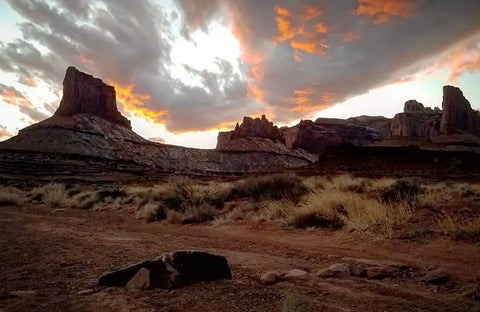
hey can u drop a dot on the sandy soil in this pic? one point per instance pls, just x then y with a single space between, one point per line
58 255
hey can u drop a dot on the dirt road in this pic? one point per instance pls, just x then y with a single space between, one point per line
55 257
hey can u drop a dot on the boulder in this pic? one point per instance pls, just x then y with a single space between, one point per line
84 94
337 270
436 277
171 270
270 278
295 274
380 272
139 281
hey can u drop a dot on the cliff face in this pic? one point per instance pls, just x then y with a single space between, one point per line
84 94
416 122
457 113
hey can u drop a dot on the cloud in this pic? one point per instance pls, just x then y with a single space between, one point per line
297 57
12 96
4 133
381 11
129 44
343 49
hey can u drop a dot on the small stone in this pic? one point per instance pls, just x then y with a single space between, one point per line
23 293
436 277
86 292
295 274
139 281
270 278
336 270
379 272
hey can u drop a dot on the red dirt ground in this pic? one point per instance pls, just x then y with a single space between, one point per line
60 253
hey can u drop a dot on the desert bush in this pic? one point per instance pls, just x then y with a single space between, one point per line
458 227
321 209
53 194
401 190
278 186
350 183
151 212
294 302
199 213
11 196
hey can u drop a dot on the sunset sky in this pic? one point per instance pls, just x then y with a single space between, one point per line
185 69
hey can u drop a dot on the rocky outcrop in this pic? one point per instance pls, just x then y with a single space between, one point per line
84 94
259 135
310 137
416 122
351 132
457 113
256 128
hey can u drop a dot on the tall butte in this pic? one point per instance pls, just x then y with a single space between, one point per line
85 94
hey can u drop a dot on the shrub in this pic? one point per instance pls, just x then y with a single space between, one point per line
52 194
151 212
199 213
278 186
11 196
401 190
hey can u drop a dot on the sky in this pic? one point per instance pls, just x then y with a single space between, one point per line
185 69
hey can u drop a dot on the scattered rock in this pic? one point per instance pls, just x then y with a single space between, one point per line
139 281
24 293
436 277
270 278
173 270
337 270
379 272
295 274
357 270
86 292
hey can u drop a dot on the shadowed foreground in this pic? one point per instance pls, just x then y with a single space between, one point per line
58 254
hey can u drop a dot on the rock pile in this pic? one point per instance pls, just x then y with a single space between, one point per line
171 270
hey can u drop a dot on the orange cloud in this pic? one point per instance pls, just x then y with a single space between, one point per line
134 103
308 100
460 62
382 10
31 82
303 33
13 97
351 36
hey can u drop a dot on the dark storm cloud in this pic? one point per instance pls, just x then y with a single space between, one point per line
298 56
127 43
368 43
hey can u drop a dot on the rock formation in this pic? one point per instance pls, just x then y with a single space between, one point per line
310 137
256 128
84 94
416 122
457 113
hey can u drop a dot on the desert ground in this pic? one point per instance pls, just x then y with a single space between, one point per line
53 251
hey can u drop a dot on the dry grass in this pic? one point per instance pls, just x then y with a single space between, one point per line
460 227
52 194
382 207
11 196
